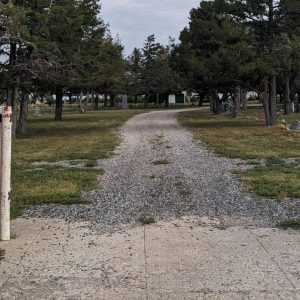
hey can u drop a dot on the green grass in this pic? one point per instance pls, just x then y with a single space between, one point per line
87 137
50 185
290 224
243 137
246 137
146 220
161 162
275 181
2 253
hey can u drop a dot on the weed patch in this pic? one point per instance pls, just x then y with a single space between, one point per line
146 220
290 224
2 253
161 162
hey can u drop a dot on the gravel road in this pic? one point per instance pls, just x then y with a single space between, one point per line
159 171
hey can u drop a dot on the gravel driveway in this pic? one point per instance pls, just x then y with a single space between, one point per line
160 172
191 252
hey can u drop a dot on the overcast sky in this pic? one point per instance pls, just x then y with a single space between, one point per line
134 20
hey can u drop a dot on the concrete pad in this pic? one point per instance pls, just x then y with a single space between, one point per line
69 261
223 264
188 258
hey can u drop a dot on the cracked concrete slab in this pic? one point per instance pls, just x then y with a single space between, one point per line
186 258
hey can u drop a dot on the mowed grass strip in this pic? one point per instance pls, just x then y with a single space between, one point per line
50 185
79 136
247 137
90 136
273 181
244 137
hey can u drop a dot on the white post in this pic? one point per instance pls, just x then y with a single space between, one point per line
5 188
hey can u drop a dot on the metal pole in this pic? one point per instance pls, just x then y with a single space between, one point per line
5 187
0 168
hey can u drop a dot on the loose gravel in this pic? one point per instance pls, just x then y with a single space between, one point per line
191 182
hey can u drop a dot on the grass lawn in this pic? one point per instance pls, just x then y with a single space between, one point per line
247 137
87 137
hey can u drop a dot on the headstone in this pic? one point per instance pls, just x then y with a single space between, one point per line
124 102
37 111
295 126
293 107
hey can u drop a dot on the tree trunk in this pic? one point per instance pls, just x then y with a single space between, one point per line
58 103
273 100
105 100
112 100
236 110
269 96
201 98
21 128
12 62
167 103
12 100
281 99
136 99
287 96
157 99
80 99
265 98
87 101
215 102
224 102
146 101
93 101
96 105
244 100
15 112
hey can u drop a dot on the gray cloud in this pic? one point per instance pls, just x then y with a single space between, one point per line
134 20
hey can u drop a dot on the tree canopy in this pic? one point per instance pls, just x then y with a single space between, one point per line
231 45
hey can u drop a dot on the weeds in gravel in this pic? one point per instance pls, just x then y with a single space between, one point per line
146 220
246 137
91 163
161 162
2 253
290 224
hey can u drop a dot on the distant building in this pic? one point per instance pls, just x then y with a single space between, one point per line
177 98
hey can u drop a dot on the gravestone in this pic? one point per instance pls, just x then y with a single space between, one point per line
295 125
124 102
37 111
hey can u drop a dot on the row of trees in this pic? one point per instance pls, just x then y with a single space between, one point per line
55 47
149 72
64 48
234 46
230 47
